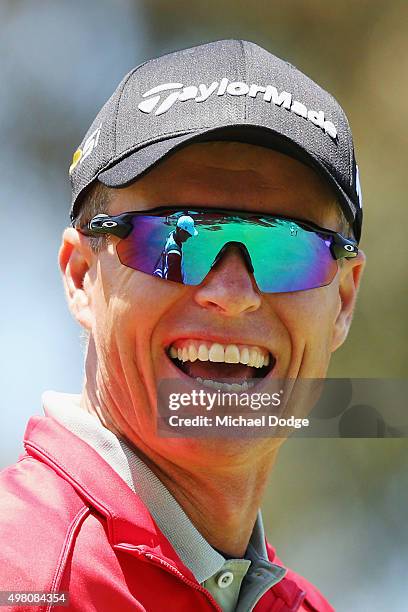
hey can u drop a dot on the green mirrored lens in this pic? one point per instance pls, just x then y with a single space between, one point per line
285 256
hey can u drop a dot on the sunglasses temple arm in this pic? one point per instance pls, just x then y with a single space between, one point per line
343 248
104 224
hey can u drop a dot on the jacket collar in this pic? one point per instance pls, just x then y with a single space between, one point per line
128 520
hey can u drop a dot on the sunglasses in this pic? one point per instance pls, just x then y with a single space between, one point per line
183 245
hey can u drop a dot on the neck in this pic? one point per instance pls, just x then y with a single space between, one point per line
221 499
221 503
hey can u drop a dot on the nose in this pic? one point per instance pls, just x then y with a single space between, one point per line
229 288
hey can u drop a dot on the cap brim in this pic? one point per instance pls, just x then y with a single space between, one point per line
133 166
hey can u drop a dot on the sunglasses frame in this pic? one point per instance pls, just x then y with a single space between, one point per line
121 226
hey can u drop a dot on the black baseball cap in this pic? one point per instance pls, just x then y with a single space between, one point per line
228 89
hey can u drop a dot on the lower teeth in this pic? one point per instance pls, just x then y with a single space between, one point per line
222 386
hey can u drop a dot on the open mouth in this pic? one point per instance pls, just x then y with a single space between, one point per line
232 367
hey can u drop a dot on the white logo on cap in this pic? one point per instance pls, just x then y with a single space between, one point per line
201 93
358 188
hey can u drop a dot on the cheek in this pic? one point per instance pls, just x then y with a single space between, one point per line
309 317
316 311
128 305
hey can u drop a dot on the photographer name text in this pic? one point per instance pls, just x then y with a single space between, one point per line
229 421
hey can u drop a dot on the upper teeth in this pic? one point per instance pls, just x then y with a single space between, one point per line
191 350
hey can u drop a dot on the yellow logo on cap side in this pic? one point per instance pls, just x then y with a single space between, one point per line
89 146
76 158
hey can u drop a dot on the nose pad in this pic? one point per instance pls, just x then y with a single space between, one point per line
242 248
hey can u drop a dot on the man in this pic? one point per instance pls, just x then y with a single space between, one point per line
169 264
101 506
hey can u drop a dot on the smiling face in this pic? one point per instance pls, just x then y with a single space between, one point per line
140 324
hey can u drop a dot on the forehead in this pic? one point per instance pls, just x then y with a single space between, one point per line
232 175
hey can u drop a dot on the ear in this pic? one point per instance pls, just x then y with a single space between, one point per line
75 259
350 277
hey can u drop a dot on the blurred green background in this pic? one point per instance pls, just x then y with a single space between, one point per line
334 509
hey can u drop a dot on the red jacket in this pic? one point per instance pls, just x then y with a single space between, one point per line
68 522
